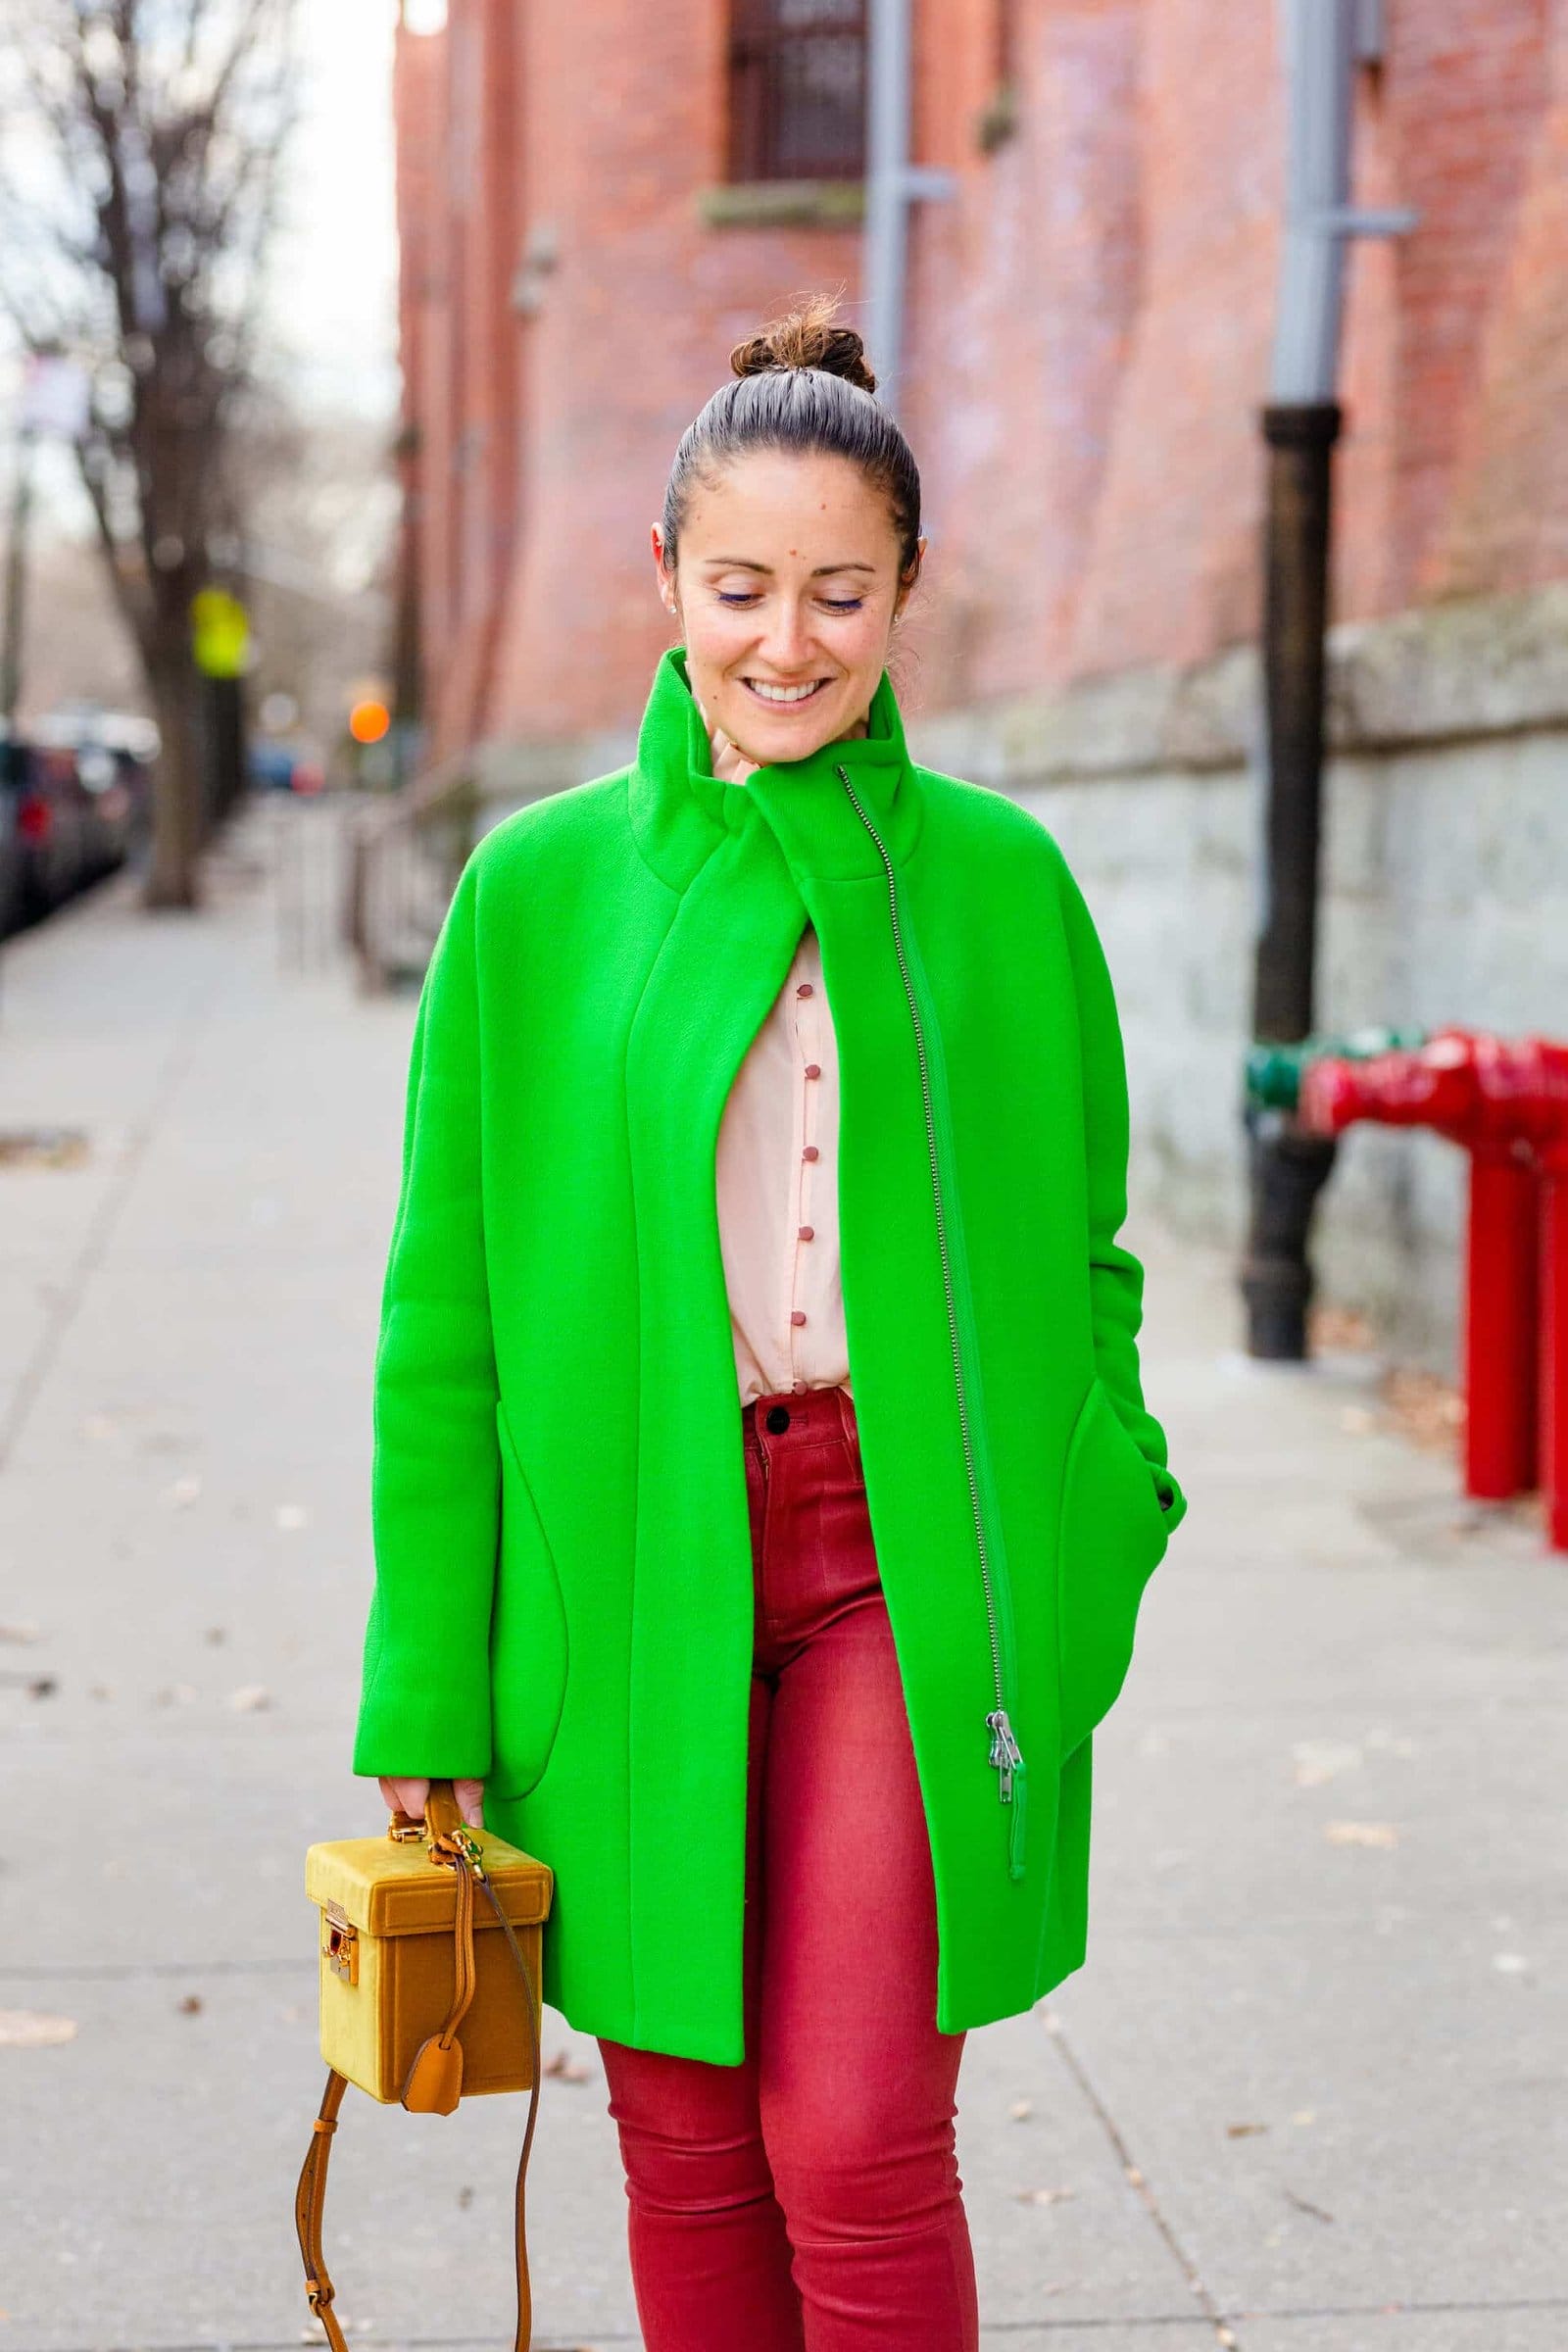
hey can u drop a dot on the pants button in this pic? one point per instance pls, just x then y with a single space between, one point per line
778 1417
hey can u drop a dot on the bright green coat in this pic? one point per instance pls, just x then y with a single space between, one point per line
563 1597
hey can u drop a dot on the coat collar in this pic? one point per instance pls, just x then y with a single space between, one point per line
681 811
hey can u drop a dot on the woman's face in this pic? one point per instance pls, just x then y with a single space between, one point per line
787 586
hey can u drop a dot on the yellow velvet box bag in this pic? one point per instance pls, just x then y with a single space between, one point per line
430 1947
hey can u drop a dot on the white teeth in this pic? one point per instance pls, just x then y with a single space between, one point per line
784 694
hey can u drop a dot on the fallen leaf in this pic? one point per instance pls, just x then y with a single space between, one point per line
1361 1832
1424 1407
565 2069
1305 2114
250 1698
1332 1326
216 1634
42 1147
1320 1760
1043 2196
33 2029
1243 2130
190 2004
28 1631
1305 2205
1021 2108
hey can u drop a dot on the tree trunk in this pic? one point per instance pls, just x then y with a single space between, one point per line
173 876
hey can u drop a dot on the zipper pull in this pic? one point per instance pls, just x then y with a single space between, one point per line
1012 1785
1006 1754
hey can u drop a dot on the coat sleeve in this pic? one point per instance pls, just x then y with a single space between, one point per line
1115 1275
435 1509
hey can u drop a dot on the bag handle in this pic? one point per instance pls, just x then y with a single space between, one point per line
453 1844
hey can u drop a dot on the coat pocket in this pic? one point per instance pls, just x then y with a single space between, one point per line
529 1645
1111 1538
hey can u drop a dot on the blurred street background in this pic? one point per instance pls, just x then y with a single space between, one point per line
342 357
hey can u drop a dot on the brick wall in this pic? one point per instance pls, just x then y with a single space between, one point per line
1089 319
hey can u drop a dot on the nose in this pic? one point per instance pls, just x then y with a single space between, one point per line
786 642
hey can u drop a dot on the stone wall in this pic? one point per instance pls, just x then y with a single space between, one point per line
1445 898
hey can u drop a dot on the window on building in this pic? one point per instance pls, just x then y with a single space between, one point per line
797 89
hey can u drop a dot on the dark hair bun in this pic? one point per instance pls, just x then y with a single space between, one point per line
806 337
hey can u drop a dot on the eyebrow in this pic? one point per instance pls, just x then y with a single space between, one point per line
745 563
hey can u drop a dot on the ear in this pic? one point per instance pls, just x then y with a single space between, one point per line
909 581
666 584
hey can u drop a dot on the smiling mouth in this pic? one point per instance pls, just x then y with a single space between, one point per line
784 698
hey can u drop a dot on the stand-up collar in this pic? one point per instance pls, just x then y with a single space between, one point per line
681 811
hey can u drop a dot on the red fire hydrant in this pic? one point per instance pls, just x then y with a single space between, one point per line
1507 1104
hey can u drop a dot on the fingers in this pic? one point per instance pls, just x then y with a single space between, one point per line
406 1797
410 1795
729 762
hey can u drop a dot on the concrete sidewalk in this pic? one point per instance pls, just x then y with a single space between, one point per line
1309 2094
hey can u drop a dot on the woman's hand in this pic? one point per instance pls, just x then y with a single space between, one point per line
409 1795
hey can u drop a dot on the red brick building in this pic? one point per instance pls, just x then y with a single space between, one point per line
587 228
598 202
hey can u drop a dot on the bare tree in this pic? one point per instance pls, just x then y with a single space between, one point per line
135 222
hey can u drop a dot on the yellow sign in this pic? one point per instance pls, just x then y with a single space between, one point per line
220 634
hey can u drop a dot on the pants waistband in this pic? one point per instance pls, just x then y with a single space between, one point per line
804 1417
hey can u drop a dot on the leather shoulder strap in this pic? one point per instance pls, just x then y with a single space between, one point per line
311 2196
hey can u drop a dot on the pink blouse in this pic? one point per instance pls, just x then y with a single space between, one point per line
778 1180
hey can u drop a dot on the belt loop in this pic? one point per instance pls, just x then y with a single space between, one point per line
847 1420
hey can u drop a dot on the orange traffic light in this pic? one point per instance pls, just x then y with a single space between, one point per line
369 722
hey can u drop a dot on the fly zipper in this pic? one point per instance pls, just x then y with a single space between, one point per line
1003 1753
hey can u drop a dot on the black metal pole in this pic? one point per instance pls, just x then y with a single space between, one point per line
1288 1168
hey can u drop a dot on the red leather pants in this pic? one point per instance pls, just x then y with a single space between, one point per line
809 2200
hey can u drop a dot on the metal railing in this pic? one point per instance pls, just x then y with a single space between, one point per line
405 856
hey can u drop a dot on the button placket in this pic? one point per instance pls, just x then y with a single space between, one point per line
808 1070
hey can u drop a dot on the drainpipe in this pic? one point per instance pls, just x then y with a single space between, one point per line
1324 42
893 184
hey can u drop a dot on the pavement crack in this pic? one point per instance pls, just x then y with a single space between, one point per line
1137 2178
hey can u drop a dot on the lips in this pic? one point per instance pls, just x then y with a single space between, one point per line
785 699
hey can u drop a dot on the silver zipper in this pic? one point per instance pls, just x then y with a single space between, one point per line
1004 1753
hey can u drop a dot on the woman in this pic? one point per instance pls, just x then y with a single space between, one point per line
768 1057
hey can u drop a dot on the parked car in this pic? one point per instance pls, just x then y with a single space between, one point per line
75 801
